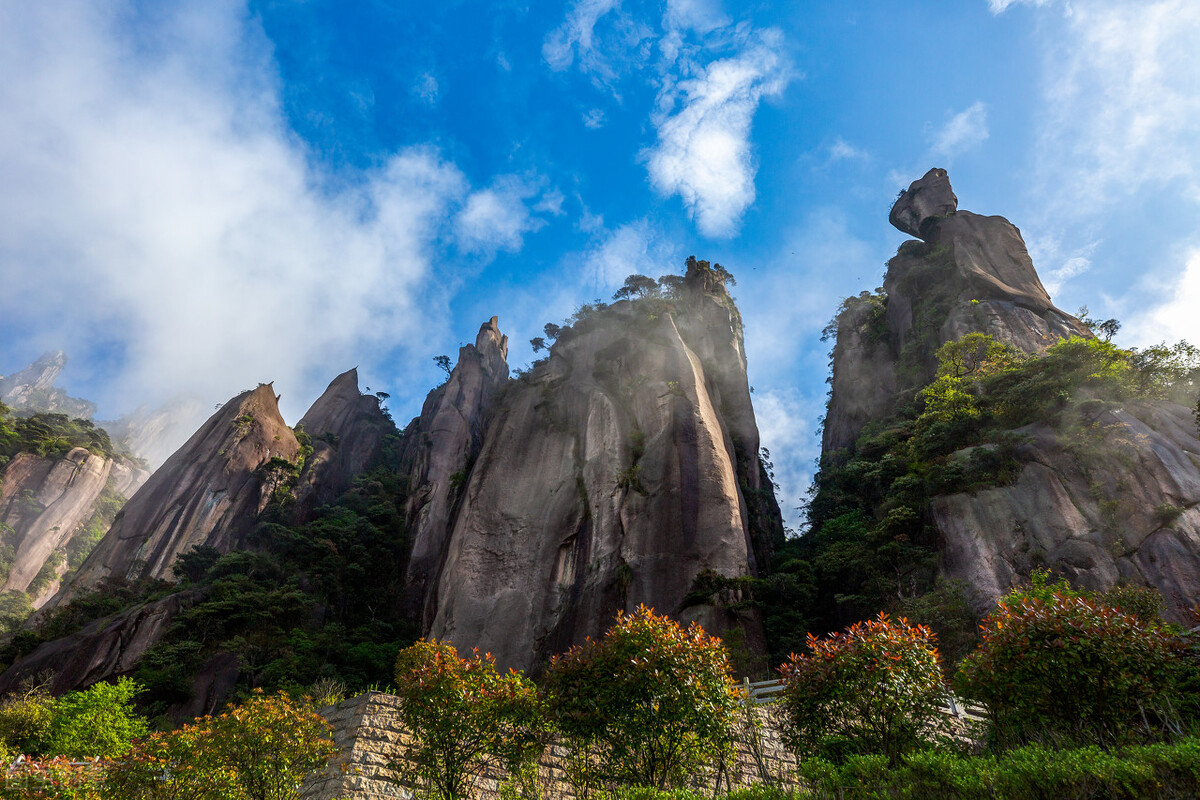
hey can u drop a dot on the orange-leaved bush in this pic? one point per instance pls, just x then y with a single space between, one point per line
1058 665
647 704
464 715
873 688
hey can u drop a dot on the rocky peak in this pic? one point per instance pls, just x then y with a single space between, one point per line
32 389
926 201
490 343
614 473
210 492
39 376
970 273
440 446
347 429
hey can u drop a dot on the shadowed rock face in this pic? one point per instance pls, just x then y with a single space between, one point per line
45 501
1122 506
611 475
210 492
924 203
104 649
440 447
347 430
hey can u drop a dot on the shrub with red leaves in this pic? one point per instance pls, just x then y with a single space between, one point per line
1059 666
873 688
648 704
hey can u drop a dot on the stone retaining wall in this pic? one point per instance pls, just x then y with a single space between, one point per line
371 763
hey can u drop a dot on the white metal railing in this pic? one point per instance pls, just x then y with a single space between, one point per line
768 692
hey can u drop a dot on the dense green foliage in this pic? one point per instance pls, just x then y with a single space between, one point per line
873 688
260 749
50 435
99 721
464 716
647 704
1056 665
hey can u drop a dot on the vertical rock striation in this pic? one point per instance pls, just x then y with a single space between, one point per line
440 447
44 503
613 474
210 492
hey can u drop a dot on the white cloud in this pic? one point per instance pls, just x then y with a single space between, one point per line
575 35
1071 268
1121 105
703 151
964 131
787 428
551 203
1175 317
161 220
636 247
594 118
497 218
1000 6
699 15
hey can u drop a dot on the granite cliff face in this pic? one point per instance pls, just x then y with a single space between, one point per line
622 469
614 473
210 492
45 504
1107 493
440 446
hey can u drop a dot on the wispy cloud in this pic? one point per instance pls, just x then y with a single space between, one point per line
963 132
636 247
787 425
602 51
159 214
1175 317
1121 106
703 152
426 88
1000 6
841 150
710 74
498 217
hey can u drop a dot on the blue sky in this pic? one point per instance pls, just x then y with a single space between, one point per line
199 197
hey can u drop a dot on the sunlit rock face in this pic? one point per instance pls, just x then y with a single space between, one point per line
44 504
1123 508
611 475
440 447
32 390
210 492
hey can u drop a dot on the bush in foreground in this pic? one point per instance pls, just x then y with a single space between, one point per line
1054 665
260 750
464 715
873 688
646 705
